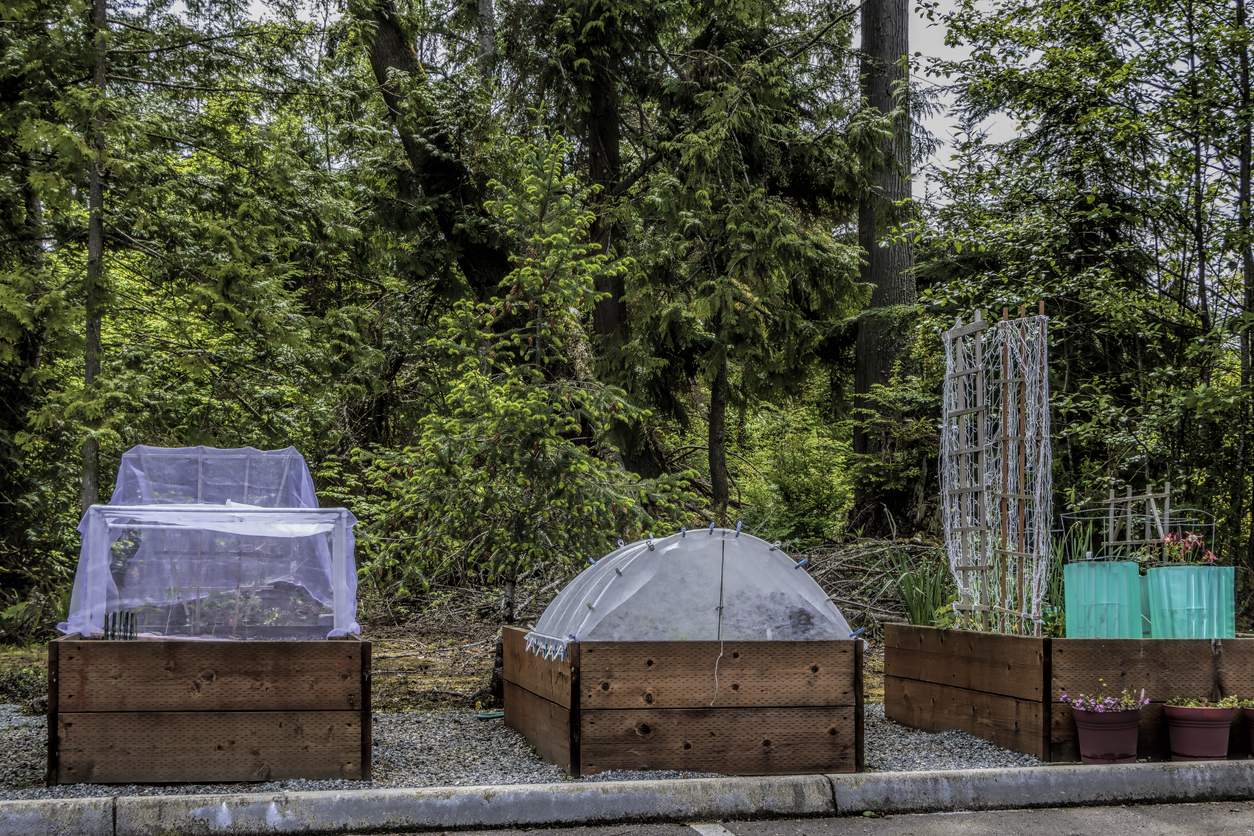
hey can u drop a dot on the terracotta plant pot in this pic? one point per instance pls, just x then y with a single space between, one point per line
1107 736
1198 734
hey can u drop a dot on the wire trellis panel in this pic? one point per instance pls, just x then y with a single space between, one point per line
996 487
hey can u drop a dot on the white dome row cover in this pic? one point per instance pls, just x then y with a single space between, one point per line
703 585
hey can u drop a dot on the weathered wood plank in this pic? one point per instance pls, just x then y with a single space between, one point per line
1019 725
545 725
1165 668
664 675
54 649
367 724
160 747
996 664
1020 674
100 675
547 678
740 741
859 711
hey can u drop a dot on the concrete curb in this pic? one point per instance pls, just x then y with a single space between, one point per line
398 810
449 808
1042 786
70 817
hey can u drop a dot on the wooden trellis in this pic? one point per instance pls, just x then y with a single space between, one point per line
995 468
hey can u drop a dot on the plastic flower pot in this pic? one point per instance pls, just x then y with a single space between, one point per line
1107 736
1198 734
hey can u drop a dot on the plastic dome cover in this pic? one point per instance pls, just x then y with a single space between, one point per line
703 585
200 542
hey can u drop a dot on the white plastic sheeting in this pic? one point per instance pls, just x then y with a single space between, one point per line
698 585
206 543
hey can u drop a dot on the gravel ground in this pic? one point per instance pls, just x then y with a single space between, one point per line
452 748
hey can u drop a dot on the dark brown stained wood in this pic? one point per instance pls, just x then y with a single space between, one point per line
1165 668
173 675
367 725
547 678
657 675
740 741
202 746
50 776
991 662
859 715
576 710
545 725
1011 723
1019 674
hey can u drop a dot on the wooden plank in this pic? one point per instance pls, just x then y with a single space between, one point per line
545 724
735 741
993 663
573 651
1010 723
547 678
1022 677
54 648
207 746
102 675
657 675
367 724
1165 668
859 712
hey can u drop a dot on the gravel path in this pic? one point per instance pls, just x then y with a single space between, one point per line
452 748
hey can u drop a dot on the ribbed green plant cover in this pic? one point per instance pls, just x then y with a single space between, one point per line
1192 602
1103 600
1146 627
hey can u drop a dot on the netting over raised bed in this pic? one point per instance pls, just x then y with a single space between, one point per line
198 542
704 585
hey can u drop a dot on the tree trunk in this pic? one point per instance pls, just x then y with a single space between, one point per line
718 441
95 264
605 165
1247 269
487 39
435 164
883 341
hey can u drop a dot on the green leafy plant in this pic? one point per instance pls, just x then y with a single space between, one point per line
1232 701
923 585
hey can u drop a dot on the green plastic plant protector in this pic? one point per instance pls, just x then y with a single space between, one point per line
1103 600
1192 602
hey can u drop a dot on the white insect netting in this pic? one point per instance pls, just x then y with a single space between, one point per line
198 542
996 485
703 585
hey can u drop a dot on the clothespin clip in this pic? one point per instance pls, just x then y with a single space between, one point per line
775 545
855 633
650 543
711 528
803 562
683 531
739 523
592 560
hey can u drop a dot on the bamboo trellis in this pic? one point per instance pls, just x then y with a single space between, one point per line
995 468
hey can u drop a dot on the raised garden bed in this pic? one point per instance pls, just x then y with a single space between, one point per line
779 707
1005 689
164 711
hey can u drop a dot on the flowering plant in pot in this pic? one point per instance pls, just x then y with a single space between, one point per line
1199 728
1106 725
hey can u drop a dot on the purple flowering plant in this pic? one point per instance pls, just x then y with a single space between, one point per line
1102 703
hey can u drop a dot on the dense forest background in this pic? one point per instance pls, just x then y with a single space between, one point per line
521 278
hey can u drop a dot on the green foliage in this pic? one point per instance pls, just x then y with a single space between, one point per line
924 585
511 468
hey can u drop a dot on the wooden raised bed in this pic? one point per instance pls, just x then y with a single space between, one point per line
186 711
1005 688
779 707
